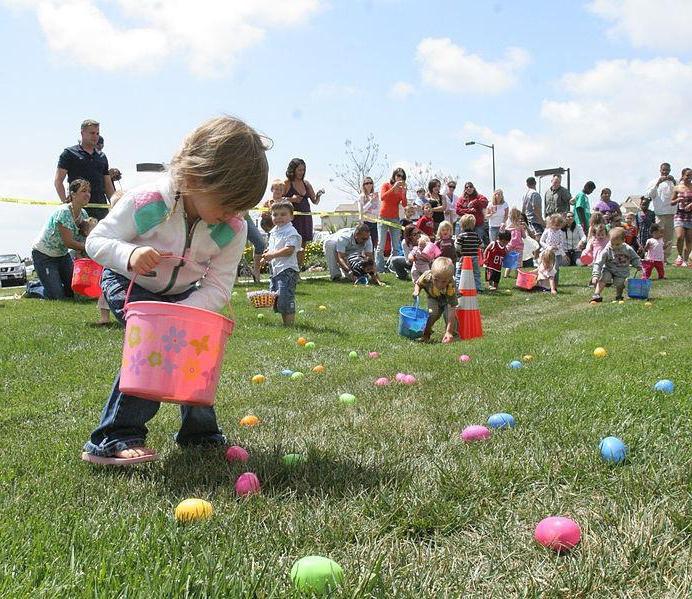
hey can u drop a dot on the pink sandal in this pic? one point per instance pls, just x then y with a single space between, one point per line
116 461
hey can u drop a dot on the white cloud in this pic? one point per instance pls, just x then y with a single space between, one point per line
451 68
209 34
660 25
401 90
618 122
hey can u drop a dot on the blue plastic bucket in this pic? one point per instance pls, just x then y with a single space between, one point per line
412 322
512 260
638 288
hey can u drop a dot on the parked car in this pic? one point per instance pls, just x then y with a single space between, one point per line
12 270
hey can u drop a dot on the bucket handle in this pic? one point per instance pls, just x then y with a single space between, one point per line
214 280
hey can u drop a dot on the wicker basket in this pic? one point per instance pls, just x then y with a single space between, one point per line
262 299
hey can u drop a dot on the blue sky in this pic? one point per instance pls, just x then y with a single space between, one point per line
599 86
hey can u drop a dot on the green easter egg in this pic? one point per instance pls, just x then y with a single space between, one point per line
310 345
316 574
347 398
293 459
297 376
352 355
260 316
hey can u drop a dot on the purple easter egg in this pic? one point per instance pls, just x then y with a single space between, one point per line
383 381
475 432
247 484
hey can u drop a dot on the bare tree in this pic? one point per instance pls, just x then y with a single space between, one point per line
423 172
360 162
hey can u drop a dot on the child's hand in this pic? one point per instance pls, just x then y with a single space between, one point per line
266 256
145 259
447 338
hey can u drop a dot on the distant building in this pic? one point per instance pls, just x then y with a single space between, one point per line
339 221
631 204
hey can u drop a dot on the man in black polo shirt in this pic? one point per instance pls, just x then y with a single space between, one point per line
84 161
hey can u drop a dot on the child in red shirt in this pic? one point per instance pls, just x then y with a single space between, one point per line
426 223
631 231
494 255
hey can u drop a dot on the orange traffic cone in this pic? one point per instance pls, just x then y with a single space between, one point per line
468 315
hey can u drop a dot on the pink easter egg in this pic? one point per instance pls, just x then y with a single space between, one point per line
247 484
475 432
235 453
383 381
400 377
409 379
464 358
558 533
373 354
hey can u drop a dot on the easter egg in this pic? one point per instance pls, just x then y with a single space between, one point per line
613 450
319 369
347 398
648 304
501 420
249 420
558 533
247 484
665 386
258 379
409 379
663 353
383 381
352 355
310 345
621 302
293 459
234 294
301 341
464 358
527 358
322 307
301 311
190 510
515 364
296 376
286 372
475 432
260 316
235 453
600 352
399 377
315 574
373 355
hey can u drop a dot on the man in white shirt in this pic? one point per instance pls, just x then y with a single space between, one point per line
660 191
340 245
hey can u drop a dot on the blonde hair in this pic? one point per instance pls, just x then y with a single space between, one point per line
423 239
468 222
617 233
514 217
226 158
277 183
442 267
547 259
598 229
445 225
498 193
595 220
556 220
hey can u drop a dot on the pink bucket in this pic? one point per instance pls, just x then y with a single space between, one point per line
173 353
86 277
526 279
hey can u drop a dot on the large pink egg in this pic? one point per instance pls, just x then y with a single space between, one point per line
383 381
373 354
247 484
400 377
235 453
464 358
558 533
409 379
475 432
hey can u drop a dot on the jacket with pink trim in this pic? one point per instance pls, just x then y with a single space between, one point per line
152 215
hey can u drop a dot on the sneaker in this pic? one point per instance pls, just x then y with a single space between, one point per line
679 262
684 265
596 298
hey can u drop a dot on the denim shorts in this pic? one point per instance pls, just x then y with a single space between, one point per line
285 285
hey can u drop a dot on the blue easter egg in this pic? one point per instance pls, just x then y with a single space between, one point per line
613 450
665 386
515 364
286 372
501 420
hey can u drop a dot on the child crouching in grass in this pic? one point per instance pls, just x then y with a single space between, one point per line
438 283
613 264
363 266
284 245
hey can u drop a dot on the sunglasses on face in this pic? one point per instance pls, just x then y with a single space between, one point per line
469 186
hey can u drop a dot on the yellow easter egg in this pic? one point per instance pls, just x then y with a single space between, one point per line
258 379
600 352
322 307
192 509
250 420
527 358
319 369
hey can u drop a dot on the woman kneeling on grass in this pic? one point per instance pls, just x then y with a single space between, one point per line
61 233
438 283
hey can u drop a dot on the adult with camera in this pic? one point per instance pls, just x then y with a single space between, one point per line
392 195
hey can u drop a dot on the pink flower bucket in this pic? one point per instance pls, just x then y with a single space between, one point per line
173 353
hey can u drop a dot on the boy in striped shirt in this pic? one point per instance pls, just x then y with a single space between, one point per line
468 243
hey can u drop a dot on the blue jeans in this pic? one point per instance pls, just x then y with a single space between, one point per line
476 272
55 275
395 232
373 232
255 237
494 232
124 417
285 285
481 232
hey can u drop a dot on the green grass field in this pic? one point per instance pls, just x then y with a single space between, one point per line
388 490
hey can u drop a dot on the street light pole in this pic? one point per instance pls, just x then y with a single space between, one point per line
492 148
